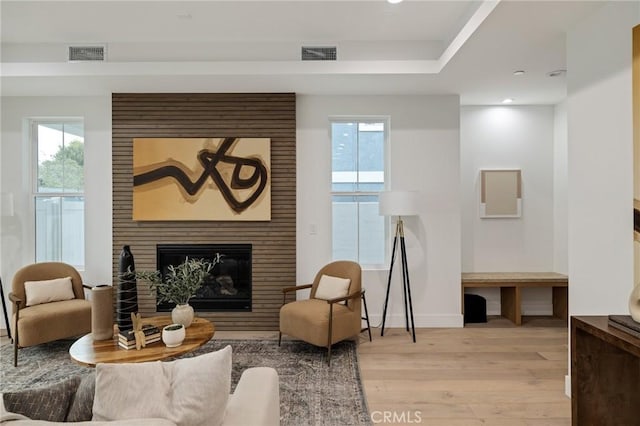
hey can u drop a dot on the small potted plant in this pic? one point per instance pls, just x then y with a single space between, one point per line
173 335
179 284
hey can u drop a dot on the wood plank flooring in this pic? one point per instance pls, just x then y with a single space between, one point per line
492 374
480 375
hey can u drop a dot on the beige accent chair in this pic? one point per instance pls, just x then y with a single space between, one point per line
323 322
51 321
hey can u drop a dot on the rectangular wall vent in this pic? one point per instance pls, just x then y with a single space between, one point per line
86 53
326 53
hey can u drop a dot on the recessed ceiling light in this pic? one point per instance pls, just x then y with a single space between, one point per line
556 73
507 100
518 72
394 1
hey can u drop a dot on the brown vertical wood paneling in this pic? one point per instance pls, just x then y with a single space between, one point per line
269 115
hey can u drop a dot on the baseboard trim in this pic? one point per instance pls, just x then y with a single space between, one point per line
421 321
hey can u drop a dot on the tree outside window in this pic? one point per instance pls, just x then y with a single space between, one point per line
58 191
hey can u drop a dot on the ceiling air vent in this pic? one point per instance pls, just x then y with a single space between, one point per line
86 53
318 53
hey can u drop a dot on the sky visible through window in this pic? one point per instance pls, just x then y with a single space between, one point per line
357 177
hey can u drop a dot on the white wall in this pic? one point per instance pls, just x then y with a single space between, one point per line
600 160
509 137
425 157
423 129
560 194
17 244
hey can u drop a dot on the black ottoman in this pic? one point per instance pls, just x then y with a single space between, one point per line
475 308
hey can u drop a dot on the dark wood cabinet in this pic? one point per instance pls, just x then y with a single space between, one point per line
605 374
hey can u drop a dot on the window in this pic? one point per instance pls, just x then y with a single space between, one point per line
58 190
358 174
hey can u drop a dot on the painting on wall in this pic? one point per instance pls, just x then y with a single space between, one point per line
221 179
500 193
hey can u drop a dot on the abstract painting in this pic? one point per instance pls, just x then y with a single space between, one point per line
202 179
500 193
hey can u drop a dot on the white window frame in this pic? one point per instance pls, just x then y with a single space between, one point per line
33 123
386 151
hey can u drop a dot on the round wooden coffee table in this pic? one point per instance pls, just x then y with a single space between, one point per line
88 352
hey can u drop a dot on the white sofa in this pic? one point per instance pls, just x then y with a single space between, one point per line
255 402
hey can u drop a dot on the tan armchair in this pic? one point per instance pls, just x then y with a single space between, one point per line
323 322
46 322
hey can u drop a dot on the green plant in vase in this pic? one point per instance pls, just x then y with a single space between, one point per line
180 284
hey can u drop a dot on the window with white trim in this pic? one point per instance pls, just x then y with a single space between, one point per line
58 190
357 176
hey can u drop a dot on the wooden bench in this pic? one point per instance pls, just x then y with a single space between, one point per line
511 283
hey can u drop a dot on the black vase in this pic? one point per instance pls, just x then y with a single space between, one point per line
127 295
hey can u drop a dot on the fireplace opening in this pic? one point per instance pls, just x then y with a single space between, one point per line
228 286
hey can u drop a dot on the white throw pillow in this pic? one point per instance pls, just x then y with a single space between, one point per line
126 391
331 287
46 291
189 392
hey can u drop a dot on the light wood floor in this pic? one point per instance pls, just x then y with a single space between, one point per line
492 374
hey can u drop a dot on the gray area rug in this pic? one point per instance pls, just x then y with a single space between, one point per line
310 392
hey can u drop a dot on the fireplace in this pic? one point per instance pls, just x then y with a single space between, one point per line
228 286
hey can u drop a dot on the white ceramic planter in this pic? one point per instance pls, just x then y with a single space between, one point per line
173 335
182 314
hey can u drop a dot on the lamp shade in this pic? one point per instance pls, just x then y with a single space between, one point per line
398 203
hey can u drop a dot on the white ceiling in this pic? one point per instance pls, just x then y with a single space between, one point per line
196 21
469 48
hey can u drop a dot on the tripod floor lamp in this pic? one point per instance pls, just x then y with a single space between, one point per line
399 203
